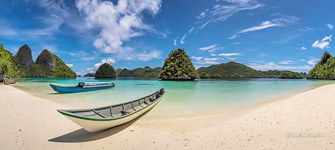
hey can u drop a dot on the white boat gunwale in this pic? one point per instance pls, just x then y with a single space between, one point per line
69 114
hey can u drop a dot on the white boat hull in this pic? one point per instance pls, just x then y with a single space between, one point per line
100 125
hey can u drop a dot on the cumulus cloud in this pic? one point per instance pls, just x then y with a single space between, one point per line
106 60
280 21
117 23
324 43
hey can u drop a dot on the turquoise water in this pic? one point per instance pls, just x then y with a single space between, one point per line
182 98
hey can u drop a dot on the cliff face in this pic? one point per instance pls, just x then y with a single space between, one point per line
22 65
24 57
46 59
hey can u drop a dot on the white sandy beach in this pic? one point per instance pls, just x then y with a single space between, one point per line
303 121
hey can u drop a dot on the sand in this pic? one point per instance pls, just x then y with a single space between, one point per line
303 121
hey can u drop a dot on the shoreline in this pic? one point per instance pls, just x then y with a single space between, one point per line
301 121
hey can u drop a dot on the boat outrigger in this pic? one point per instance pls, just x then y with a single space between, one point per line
83 87
102 118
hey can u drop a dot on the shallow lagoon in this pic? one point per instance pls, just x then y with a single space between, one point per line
182 98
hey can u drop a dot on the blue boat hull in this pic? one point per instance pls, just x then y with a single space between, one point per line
75 89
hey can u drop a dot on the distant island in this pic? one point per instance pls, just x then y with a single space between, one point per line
178 66
22 65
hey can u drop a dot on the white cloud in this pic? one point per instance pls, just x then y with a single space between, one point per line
305 29
70 65
117 23
275 22
183 38
211 59
210 48
312 61
330 26
303 48
175 42
262 55
324 43
106 60
327 38
263 25
229 54
196 58
220 13
146 56
274 66
204 61
286 62
50 26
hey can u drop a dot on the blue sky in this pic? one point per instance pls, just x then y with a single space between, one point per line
263 34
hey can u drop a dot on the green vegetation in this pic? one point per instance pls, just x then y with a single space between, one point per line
89 75
105 71
324 69
204 75
145 72
290 75
237 70
61 69
178 66
230 70
7 65
271 73
47 64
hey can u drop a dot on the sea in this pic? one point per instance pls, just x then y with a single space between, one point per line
182 98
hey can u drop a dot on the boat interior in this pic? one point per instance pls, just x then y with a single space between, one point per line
119 110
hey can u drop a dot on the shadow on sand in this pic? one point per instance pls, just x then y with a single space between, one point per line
82 135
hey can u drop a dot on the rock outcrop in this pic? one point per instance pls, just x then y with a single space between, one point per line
24 57
46 59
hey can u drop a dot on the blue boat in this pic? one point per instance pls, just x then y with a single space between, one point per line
83 87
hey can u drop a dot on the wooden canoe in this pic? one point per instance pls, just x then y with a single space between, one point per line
102 118
83 87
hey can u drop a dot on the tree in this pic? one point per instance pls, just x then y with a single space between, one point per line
324 69
105 71
178 66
